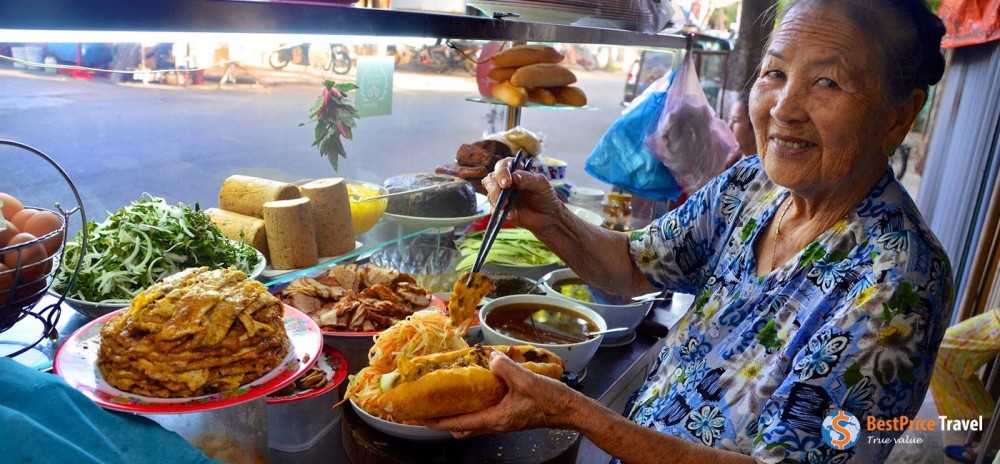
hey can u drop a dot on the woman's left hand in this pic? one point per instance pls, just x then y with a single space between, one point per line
532 401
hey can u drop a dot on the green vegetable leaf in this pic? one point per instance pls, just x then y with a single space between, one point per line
142 243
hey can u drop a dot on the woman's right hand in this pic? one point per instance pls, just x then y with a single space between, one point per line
535 205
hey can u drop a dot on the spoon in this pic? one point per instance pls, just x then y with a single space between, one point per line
598 332
646 297
407 192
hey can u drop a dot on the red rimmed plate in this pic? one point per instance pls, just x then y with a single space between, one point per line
76 362
369 333
333 364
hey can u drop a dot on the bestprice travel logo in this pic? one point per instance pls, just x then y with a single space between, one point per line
841 429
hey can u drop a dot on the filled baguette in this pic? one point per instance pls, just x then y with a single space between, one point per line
456 382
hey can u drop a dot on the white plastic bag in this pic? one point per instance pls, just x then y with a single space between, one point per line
688 137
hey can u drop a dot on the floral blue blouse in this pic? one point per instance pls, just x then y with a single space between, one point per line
852 323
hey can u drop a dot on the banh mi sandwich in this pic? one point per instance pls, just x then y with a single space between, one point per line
456 382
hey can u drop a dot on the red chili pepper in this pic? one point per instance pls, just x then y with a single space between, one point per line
341 129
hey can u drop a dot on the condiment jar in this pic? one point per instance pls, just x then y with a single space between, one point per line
618 211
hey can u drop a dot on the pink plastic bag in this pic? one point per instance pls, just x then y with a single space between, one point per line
688 138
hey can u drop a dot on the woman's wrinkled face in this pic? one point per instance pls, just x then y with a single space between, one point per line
817 108
739 123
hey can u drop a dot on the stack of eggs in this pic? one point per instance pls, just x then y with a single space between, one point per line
29 239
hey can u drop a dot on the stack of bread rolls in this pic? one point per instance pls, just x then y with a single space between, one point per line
292 226
532 73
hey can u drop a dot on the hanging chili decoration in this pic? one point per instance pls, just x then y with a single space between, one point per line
334 118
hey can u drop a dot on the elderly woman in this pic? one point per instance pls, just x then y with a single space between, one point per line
822 296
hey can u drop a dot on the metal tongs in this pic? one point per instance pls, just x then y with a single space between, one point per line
504 203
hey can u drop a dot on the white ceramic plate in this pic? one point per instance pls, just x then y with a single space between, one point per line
271 272
482 210
407 432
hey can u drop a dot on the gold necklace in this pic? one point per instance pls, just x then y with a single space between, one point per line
777 232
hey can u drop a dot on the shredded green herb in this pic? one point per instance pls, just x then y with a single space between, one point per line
142 243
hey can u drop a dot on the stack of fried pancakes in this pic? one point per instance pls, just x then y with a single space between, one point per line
195 333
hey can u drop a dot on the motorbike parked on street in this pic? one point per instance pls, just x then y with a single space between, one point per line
335 58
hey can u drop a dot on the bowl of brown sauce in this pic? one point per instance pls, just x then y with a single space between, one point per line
556 324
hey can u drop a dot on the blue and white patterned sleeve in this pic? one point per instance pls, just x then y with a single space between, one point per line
870 355
675 251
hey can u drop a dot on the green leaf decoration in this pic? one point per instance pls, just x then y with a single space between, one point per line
902 301
813 252
838 255
853 375
768 336
747 230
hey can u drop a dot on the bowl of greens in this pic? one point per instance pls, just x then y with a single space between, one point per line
137 246
515 251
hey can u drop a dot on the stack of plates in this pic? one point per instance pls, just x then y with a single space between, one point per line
544 11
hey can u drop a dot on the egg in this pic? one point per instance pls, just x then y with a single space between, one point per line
6 279
31 258
21 218
24 291
8 234
42 223
11 205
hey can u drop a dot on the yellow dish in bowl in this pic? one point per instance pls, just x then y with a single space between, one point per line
365 214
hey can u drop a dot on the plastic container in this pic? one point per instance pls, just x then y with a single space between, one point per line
587 197
618 212
296 422
236 433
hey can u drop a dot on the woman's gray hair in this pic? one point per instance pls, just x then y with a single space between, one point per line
905 34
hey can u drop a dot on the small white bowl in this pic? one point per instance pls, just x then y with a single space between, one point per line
575 355
627 314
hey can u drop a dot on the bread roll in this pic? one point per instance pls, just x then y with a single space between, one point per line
291 236
241 228
571 96
458 382
523 55
331 208
508 94
542 75
501 74
247 195
541 96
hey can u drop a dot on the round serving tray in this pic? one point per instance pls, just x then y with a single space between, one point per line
76 362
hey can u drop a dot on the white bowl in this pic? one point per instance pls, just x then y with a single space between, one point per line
408 432
575 355
628 314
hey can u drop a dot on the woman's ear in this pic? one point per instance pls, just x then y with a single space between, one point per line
902 119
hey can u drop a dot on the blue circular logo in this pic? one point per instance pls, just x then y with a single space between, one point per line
841 429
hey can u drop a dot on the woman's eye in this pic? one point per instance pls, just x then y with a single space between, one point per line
775 74
827 82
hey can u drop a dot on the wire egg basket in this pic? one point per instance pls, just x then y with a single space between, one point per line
30 267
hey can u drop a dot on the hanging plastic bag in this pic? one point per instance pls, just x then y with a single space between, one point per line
622 159
688 138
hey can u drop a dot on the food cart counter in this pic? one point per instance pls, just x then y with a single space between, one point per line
611 377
